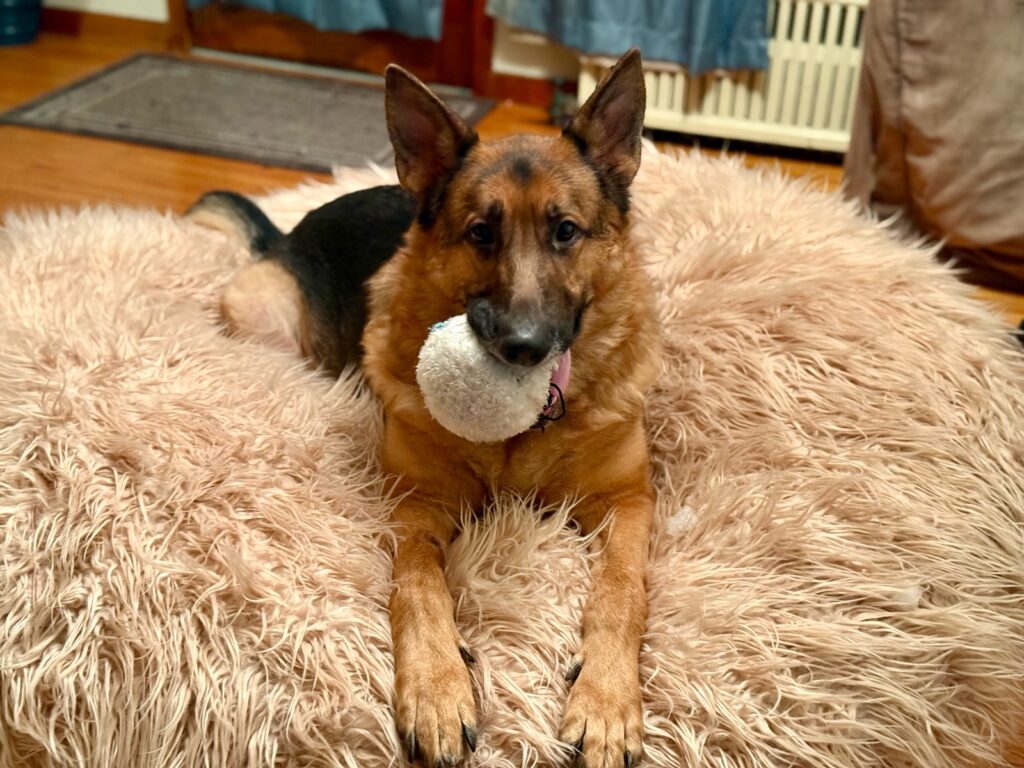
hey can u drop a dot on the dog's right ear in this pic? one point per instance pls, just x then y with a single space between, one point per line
607 127
428 137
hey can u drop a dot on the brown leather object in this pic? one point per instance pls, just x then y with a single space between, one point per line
939 125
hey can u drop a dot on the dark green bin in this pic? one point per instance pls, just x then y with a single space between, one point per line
19 21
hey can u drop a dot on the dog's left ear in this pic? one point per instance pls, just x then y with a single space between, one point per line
607 127
428 137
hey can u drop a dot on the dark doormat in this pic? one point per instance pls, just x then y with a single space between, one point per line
296 121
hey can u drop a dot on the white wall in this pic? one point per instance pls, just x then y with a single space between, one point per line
150 10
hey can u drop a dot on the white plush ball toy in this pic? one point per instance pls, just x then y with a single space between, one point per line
479 398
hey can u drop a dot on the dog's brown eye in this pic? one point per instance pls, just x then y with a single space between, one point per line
567 232
480 234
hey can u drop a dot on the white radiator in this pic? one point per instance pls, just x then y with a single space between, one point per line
804 99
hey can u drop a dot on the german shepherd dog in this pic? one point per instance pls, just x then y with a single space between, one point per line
529 236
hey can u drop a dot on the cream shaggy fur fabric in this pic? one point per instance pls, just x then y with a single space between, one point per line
194 548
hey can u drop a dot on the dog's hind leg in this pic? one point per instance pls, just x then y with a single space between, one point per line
263 301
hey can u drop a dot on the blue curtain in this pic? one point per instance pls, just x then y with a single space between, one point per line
700 34
415 18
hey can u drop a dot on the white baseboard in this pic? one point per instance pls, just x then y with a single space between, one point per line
148 10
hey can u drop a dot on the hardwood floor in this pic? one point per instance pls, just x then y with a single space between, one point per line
1009 304
44 168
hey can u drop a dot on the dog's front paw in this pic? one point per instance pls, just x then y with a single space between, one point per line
435 713
603 722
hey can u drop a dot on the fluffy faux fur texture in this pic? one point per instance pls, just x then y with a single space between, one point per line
194 549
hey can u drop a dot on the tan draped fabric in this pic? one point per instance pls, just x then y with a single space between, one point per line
939 125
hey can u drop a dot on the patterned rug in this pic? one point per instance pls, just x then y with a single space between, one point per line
298 121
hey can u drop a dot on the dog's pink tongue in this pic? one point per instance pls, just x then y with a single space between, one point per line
559 384
560 378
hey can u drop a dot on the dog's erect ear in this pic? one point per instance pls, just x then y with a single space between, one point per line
607 127
428 137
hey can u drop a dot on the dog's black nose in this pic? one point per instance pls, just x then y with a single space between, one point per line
524 347
517 338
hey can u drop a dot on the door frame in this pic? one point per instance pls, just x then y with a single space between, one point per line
461 58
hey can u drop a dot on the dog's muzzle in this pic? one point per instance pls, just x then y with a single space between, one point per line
516 338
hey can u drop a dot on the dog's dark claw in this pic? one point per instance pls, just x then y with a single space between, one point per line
469 735
410 746
574 671
575 750
466 655
448 761
577 754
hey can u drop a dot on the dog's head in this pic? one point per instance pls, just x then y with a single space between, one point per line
523 232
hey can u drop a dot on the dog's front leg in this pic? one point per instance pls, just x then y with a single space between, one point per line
434 708
604 716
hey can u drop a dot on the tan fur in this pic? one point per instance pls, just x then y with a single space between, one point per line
215 220
263 301
194 531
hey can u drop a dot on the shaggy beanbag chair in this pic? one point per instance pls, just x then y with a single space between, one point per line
193 532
